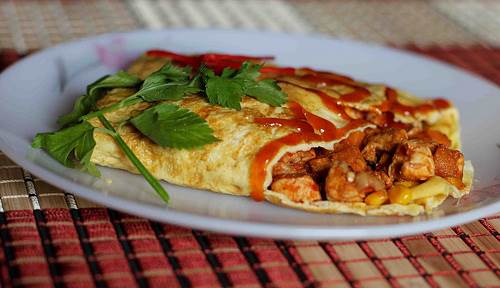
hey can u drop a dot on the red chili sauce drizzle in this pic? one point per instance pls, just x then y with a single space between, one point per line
320 80
321 126
331 103
303 121
270 150
310 128
299 125
392 104
329 75
386 120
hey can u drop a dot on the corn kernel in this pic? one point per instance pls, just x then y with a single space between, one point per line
400 194
376 198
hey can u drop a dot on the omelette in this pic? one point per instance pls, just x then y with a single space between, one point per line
337 145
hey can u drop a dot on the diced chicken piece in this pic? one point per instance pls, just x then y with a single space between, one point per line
351 155
340 185
385 120
322 152
383 177
383 161
355 138
431 135
319 167
412 161
368 181
420 166
449 163
298 189
383 141
293 163
378 119
283 169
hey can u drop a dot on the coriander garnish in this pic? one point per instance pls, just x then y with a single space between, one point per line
85 103
169 83
170 126
172 83
166 124
137 163
228 88
70 146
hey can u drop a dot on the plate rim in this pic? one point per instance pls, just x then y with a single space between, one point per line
241 227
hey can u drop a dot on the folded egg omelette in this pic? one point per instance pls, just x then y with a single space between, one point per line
337 146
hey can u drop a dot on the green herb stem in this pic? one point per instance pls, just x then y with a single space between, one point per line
131 100
137 163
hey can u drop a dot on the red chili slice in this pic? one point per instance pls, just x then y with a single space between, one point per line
235 58
214 60
181 59
278 70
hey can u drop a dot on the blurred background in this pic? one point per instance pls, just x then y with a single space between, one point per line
429 25
27 25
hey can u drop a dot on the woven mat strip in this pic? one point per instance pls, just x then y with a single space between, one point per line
83 239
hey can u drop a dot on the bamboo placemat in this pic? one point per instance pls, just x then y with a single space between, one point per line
52 238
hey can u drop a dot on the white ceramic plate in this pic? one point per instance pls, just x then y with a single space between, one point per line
35 91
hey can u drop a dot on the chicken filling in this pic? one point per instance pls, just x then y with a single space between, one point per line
367 166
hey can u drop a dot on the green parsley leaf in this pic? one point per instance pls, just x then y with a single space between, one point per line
85 103
172 72
119 80
174 90
169 83
81 107
70 145
170 126
267 91
225 92
167 91
249 71
228 89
